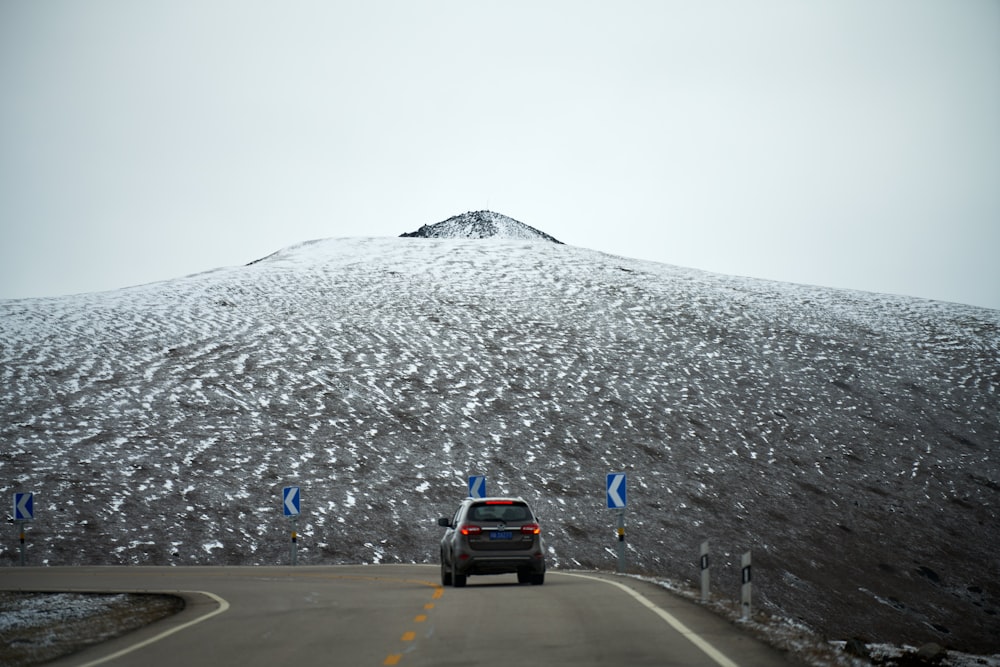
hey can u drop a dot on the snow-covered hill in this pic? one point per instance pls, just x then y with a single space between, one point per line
850 440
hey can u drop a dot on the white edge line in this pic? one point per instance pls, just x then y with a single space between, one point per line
671 620
222 608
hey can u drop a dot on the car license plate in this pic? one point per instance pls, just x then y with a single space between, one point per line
501 535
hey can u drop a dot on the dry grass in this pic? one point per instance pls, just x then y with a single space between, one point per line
39 627
806 646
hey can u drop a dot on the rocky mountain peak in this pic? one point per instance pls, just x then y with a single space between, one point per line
480 225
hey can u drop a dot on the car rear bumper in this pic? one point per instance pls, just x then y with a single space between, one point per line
494 564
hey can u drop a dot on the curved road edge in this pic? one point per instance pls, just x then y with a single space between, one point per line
703 645
198 606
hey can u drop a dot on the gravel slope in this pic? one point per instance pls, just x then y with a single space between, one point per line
849 439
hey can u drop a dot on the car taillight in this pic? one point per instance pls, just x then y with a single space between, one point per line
471 530
531 529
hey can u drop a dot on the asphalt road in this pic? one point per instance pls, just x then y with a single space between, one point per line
400 615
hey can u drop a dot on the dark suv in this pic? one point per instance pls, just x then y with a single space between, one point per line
492 536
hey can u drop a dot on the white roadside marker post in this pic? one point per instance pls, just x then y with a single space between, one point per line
745 588
703 563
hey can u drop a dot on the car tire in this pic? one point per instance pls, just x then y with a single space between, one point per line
538 579
524 577
445 573
458 580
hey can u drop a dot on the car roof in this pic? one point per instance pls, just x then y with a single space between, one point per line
516 499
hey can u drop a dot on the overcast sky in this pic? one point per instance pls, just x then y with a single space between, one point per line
842 143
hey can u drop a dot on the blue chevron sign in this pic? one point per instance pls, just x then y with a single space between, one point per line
290 500
477 486
616 490
24 507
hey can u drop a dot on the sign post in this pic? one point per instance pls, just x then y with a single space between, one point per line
746 586
20 532
704 571
477 486
290 503
24 511
621 541
617 499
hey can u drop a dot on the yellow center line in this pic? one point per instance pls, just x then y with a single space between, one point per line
409 636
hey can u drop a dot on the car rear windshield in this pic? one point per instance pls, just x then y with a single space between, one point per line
497 512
